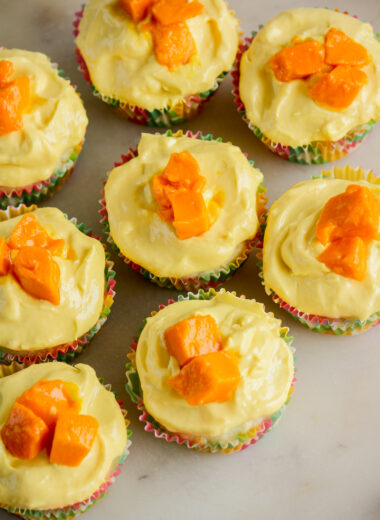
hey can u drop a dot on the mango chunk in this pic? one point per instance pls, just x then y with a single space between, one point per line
190 214
208 378
49 398
182 170
347 257
10 112
173 44
38 273
338 89
298 61
24 434
28 232
354 213
74 436
167 12
137 9
342 50
5 263
192 337
6 71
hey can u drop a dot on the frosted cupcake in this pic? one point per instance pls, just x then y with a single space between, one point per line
156 62
308 84
60 426
321 255
184 211
42 127
56 286
211 371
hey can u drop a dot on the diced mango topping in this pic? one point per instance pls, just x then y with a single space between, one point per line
14 98
28 232
347 257
298 61
137 9
343 50
192 337
338 89
5 262
207 378
73 438
173 44
24 434
190 214
168 12
7 69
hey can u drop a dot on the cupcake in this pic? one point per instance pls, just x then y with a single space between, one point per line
307 84
156 62
57 285
321 252
183 210
211 371
63 438
42 127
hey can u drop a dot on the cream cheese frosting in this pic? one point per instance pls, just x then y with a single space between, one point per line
53 125
121 61
290 265
265 363
28 323
38 484
147 240
284 111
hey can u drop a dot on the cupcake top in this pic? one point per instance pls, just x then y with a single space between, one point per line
313 272
53 121
293 111
121 60
249 335
20 480
31 320
137 222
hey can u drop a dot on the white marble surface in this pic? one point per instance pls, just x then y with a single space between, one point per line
322 462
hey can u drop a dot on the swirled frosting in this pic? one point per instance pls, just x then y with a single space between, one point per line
38 484
147 240
121 61
53 125
264 359
284 111
291 249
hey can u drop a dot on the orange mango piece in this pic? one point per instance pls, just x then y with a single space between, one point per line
347 257
208 378
192 337
168 12
10 109
74 436
6 71
338 89
28 232
38 273
354 213
49 398
5 263
342 50
298 61
182 170
137 9
24 434
190 214
56 246
173 44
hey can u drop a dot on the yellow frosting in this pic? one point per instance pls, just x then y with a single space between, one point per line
284 111
38 484
147 240
53 125
28 323
122 64
265 364
291 268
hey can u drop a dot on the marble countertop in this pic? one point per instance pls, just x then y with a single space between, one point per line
322 461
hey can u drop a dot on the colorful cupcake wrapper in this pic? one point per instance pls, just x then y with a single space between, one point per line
68 351
70 511
204 279
242 439
338 326
185 108
316 152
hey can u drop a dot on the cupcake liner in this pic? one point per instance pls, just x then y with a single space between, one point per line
67 351
240 442
316 152
185 108
205 279
338 326
70 511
